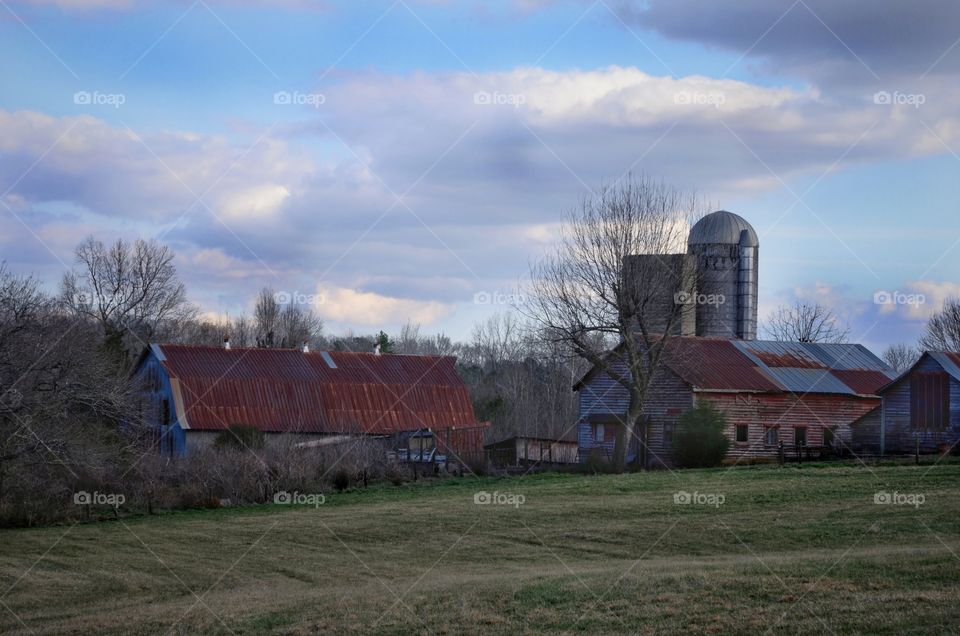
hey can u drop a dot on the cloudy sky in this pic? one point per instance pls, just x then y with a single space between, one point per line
403 160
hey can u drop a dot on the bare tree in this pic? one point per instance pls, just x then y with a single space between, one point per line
901 356
806 322
942 332
582 296
284 324
128 288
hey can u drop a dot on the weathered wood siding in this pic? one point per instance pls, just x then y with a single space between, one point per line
866 433
668 398
899 434
786 412
157 408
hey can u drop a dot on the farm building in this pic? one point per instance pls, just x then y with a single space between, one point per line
190 394
523 450
771 392
919 411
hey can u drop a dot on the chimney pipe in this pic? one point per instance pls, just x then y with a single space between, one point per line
306 347
376 349
226 342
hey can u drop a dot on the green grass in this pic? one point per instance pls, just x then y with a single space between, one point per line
791 550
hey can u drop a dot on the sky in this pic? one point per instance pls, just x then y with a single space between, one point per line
407 160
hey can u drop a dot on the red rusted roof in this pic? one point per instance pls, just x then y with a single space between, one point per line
862 381
286 390
715 364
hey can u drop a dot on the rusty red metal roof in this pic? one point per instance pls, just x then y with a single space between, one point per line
286 390
715 364
720 364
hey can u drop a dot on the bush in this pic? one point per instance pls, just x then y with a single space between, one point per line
341 480
241 436
700 440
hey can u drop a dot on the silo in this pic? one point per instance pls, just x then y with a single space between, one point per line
726 248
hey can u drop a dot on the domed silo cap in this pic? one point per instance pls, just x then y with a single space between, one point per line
724 228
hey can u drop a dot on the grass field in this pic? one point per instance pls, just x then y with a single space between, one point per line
789 550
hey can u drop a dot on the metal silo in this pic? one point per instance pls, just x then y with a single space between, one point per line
726 248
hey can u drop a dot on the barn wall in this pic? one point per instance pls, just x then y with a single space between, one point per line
866 432
786 411
899 436
668 398
155 392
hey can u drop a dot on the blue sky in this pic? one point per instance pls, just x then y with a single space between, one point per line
389 194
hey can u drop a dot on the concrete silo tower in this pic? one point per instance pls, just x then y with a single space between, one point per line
726 249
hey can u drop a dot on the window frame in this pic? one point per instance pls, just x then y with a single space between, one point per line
766 436
746 433
599 432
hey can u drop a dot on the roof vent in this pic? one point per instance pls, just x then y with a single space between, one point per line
376 349
226 342
306 347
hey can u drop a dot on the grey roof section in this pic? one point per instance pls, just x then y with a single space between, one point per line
722 227
847 356
806 367
326 358
808 380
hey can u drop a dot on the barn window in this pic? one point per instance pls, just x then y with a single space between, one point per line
772 436
929 400
800 436
165 412
743 433
598 432
828 436
668 433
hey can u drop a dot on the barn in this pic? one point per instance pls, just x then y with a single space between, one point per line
524 450
920 410
189 394
771 392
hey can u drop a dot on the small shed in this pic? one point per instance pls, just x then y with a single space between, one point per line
520 450
919 410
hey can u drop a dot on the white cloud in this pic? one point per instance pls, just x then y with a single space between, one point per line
370 309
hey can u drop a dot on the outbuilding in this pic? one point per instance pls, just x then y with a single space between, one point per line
189 394
920 409
796 394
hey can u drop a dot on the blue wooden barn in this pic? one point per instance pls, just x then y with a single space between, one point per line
920 409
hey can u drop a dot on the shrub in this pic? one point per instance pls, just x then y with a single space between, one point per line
700 440
341 480
241 436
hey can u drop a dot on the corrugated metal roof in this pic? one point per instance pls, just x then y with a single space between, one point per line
863 381
286 390
773 354
715 364
808 380
765 365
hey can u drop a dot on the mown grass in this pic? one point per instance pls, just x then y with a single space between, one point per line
790 550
